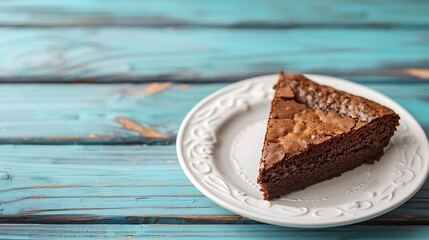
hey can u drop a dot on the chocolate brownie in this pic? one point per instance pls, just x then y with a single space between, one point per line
316 132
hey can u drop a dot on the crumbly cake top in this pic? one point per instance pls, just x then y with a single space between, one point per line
328 99
304 113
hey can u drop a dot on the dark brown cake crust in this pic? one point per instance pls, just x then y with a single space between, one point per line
316 132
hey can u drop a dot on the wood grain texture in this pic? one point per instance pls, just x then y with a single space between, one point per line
201 55
82 113
220 13
258 231
128 113
383 44
122 185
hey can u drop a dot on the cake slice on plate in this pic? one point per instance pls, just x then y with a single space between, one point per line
316 132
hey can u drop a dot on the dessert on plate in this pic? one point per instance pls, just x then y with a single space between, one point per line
316 132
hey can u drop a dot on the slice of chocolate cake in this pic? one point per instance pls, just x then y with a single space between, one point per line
316 132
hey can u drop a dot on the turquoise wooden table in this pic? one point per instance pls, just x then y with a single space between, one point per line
92 94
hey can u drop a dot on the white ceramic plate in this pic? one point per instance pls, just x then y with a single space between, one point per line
219 146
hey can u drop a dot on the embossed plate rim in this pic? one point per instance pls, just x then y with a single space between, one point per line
235 201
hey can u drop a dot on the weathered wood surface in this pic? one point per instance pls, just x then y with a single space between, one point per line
201 55
160 231
128 113
83 113
122 184
382 44
220 13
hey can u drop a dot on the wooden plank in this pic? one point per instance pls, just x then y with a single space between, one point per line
221 13
201 55
88 114
127 113
122 184
258 231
